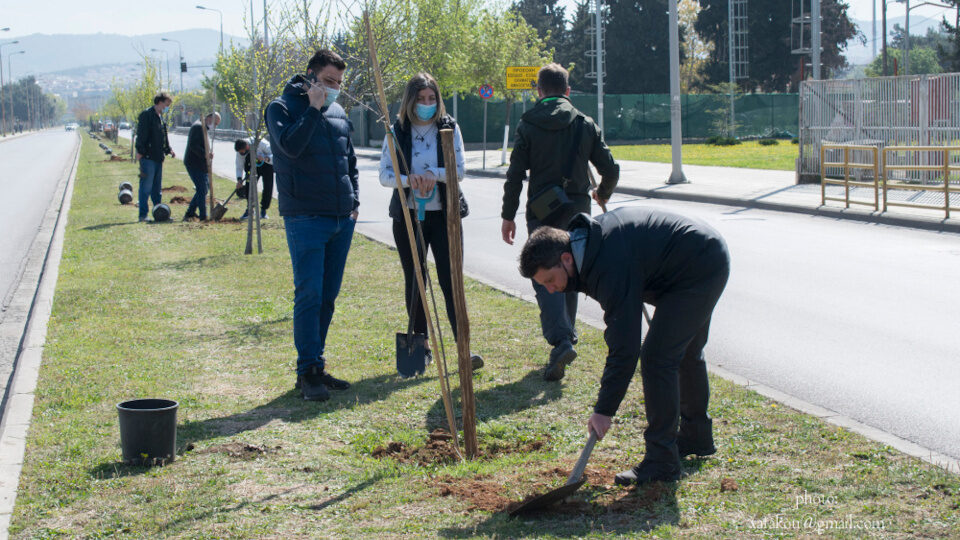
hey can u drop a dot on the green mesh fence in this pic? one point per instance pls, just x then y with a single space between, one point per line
632 117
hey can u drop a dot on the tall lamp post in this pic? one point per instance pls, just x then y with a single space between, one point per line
10 76
221 23
3 106
906 35
183 106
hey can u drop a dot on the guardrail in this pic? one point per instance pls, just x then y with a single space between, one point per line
847 165
940 173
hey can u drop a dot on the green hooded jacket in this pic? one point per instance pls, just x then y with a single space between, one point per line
541 145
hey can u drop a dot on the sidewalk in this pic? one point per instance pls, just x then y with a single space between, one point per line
750 188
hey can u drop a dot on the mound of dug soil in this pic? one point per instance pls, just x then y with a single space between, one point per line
238 450
439 449
175 189
179 200
598 497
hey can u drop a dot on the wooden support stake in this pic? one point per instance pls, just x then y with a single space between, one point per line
385 111
206 147
455 240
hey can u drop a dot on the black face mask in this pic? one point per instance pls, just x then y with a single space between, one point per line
573 281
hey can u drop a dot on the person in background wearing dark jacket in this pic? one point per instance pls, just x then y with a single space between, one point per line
317 179
622 259
552 137
423 176
152 144
195 160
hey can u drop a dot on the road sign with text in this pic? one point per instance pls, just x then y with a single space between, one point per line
522 77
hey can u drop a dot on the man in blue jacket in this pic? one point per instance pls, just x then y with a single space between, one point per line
317 180
625 258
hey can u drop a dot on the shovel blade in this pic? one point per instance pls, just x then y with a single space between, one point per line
411 354
541 502
218 212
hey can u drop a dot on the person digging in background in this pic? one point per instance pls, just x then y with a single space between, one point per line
319 195
554 141
152 144
195 160
264 172
622 259
423 176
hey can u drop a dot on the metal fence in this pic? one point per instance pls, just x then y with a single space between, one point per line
627 117
914 110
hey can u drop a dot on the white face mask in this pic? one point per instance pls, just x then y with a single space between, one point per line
209 125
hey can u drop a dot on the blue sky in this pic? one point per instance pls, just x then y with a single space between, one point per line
132 17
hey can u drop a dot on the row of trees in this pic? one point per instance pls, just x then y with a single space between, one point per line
637 42
26 106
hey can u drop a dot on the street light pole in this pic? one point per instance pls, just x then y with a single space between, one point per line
676 137
183 105
906 37
167 58
3 106
10 76
221 23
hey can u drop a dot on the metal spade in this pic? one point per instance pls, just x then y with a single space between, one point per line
574 482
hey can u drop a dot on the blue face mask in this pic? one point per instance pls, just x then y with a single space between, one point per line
165 109
332 94
426 112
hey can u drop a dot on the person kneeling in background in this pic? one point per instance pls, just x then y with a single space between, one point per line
264 172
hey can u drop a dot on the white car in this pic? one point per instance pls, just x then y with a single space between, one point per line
72 126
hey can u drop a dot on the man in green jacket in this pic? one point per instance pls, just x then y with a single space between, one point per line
554 141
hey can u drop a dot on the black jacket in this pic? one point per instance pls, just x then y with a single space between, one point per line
152 142
635 255
312 155
405 147
541 144
194 157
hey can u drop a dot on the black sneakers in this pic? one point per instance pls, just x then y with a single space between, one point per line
332 382
311 385
560 356
648 471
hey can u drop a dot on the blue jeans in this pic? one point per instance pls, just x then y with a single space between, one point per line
198 202
150 173
318 251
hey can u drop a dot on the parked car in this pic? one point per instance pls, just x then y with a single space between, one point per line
124 125
72 126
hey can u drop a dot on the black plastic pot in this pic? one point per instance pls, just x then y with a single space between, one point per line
161 212
125 196
148 431
126 185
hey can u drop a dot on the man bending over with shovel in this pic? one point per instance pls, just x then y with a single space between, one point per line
622 259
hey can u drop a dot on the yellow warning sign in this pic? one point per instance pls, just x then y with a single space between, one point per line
522 77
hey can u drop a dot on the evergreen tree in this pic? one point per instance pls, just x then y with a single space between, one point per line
548 18
637 47
573 53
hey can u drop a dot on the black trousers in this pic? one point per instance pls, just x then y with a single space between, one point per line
674 374
434 228
265 172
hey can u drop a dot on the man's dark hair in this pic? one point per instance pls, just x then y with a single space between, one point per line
553 80
161 96
543 250
325 57
240 144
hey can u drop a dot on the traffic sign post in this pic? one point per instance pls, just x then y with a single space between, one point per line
486 92
522 77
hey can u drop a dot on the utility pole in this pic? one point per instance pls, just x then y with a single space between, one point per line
883 10
815 38
676 137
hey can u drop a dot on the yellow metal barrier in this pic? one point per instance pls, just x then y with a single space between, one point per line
945 169
847 165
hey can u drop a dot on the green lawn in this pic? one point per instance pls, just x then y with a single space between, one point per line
176 311
750 155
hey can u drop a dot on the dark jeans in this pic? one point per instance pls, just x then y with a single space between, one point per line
199 201
150 175
318 251
435 236
558 311
675 388
265 172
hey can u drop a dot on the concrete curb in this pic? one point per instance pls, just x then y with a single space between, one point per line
17 406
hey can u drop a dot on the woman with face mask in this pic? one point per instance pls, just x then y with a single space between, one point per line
423 176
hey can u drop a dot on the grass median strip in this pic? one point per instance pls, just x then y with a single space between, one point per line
749 155
176 311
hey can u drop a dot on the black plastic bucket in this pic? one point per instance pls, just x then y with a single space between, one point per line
161 212
148 431
125 196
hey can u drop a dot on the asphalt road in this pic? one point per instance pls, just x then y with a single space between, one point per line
31 166
858 318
